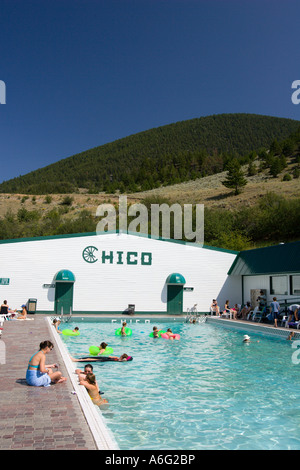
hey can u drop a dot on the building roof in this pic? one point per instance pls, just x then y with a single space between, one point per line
119 232
277 259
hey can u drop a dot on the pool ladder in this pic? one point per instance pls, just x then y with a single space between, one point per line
192 315
64 318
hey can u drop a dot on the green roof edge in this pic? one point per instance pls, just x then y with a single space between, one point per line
88 234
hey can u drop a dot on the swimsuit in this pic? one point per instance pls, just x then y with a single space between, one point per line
35 377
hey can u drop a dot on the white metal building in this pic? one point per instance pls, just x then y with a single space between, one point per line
90 273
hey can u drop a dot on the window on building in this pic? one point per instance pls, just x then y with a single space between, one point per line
279 285
295 284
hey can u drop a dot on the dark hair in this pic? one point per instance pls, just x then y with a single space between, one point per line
89 366
91 378
76 328
46 344
103 345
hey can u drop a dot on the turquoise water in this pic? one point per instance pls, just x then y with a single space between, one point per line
207 391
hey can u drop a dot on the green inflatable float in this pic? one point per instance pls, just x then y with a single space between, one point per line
159 334
94 351
128 331
70 333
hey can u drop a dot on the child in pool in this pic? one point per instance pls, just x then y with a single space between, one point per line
156 332
92 388
102 348
171 335
123 333
56 324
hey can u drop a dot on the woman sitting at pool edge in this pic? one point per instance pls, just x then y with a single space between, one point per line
38 373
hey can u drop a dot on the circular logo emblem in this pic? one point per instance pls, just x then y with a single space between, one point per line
88 254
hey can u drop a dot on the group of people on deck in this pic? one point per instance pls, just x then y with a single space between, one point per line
272 312
5 310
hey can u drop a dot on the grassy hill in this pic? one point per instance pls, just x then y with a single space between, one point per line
266 212
166 155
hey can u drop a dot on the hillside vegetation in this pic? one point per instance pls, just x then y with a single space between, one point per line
267 210
163 156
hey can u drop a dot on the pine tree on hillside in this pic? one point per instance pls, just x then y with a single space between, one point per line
235 177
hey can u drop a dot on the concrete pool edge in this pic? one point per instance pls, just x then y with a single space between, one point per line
103 437
251 326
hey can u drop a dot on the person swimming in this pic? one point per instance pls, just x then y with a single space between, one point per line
171 335
156 332
123 332
122 358
247 339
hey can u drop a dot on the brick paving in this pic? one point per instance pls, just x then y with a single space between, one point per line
37 418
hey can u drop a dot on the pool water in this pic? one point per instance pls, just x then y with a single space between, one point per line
207 391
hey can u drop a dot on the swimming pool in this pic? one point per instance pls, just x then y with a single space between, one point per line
206 391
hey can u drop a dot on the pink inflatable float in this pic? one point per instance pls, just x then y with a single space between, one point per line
172 335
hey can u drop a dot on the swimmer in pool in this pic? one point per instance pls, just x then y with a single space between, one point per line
88 369
56 324
156 332
171 335
123 333
123 357
290 336
102 348
92 388
247 340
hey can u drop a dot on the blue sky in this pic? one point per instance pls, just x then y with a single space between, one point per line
81 73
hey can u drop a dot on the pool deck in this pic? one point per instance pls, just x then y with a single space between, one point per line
37 418
52 418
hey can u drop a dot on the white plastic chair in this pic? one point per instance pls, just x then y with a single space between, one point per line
5 316
251 315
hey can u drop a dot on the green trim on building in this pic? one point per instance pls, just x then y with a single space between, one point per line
277 259
65 276
89 234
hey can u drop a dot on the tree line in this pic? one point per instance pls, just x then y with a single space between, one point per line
163 156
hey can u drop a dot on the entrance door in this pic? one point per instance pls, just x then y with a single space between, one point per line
175 298
63 297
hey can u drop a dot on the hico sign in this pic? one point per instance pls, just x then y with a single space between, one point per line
91 254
